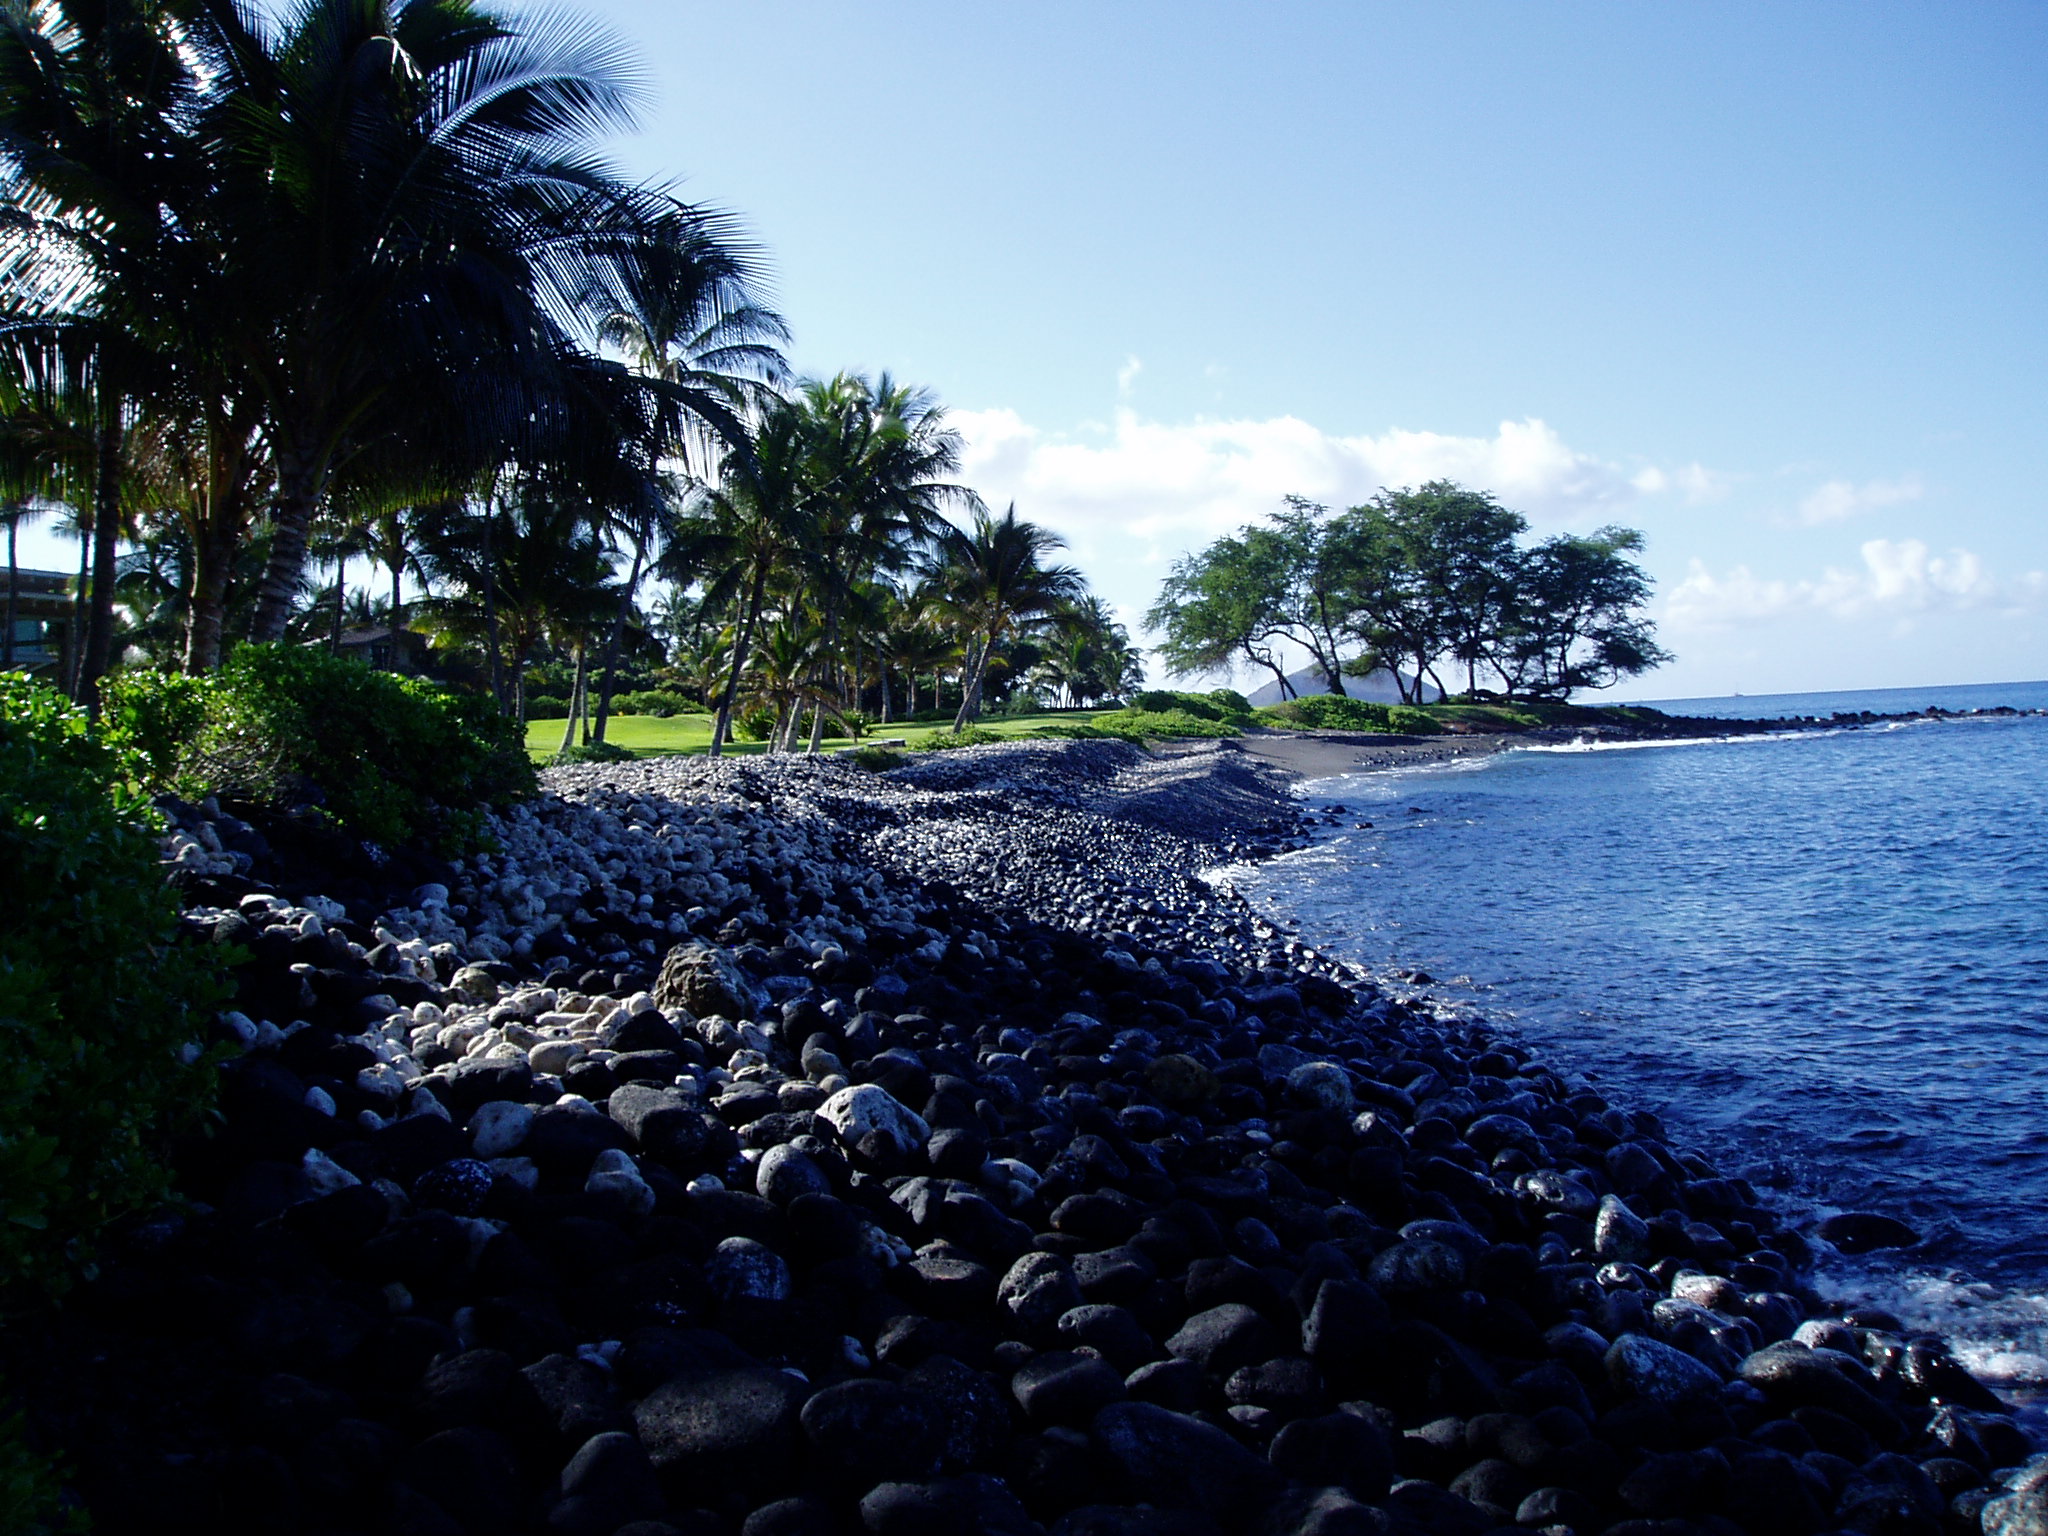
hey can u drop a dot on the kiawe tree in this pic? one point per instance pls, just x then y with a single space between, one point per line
1440 572
1577 621
1409 579
1242 597
1216 610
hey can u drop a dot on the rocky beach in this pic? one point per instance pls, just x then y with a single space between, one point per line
769 1148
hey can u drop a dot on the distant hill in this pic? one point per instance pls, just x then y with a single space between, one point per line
1379 688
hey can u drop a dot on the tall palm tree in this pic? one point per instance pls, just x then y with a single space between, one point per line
992 579
340 537
406 198
882 461
107 274
522 566
689 324
14 514
737 535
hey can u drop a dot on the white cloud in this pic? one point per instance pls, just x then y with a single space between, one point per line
1127 375
1897 579
1185 483
1839 499
1695 482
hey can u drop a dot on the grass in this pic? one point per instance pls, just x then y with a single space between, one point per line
652 736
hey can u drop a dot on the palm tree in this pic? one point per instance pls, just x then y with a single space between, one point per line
14 514
738 535
524 565
1091 656
689 324
992 580
110 279
406 201
882 456
784 676
916 646
340 537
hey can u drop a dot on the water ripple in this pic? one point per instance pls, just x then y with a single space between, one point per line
1826 956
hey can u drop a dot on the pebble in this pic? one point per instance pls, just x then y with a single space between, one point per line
943 1150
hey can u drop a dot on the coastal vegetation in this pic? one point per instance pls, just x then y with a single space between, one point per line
99 1002
288 293
1419 583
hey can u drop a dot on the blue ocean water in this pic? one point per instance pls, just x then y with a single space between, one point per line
1878 701
1821 957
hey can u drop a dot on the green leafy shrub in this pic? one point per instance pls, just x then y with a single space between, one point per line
877 759
659 702
1328 712
1159 723
973 736
393 759
754 724
546 706
1223 704
99 1003
1090 732
591 752
1410 721
32 1501
148 717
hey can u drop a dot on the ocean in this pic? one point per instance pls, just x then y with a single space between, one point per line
1821 957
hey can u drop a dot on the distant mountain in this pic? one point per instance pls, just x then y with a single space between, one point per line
1379 688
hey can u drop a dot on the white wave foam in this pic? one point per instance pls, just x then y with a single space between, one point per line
1590 744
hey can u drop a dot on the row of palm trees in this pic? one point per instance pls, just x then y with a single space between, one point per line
346 278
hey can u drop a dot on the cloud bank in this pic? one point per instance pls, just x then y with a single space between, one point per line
1183 484
1897 579
1839 500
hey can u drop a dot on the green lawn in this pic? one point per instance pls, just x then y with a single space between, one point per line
650 736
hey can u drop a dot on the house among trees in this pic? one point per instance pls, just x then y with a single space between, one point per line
36 634
372 644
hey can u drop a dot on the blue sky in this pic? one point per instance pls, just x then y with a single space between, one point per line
1765 281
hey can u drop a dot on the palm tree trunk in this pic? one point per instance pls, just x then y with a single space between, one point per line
722 724
970 683
491 614
74 661
575 701
13 583
397 567
612 646
340 602
206 615
106 532
882 673
829 644
298 494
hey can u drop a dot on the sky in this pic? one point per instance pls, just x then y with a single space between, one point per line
1763 281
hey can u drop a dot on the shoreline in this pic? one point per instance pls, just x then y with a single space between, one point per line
1309 755
937 1146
